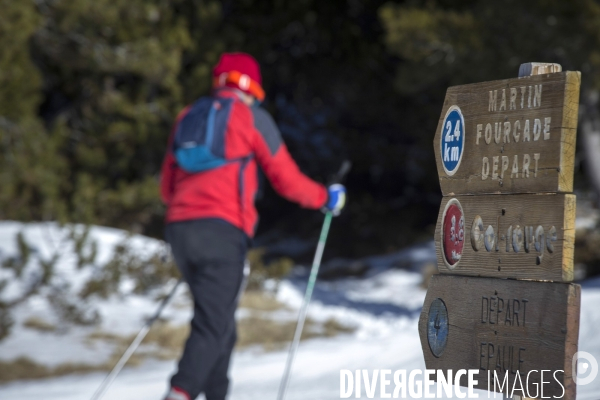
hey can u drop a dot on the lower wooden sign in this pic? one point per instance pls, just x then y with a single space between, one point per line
520 236
503 328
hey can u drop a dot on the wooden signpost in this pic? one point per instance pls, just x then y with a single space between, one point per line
505 326
520 136
528 236
505 234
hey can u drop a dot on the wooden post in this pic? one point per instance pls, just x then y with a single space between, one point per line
504 301
515 397
530 69
536 68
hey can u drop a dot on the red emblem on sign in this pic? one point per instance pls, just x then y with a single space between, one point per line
453 232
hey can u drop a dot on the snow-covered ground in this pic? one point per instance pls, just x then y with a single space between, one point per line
384 307
120 314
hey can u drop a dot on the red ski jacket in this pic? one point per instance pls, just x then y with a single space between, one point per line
227 192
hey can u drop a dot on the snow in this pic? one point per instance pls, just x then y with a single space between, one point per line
122 315
383 306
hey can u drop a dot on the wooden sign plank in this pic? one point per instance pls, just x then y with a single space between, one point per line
502 325
509 136
521 236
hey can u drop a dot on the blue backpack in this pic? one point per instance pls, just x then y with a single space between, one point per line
199 142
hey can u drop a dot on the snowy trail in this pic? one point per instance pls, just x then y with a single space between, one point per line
255 375
384 307
316 372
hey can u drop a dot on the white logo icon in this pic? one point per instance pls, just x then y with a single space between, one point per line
582 361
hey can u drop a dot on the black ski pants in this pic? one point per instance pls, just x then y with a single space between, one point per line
210 254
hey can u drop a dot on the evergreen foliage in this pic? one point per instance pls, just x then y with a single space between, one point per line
89 90
464 41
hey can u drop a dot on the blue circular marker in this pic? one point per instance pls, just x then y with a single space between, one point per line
437 327
452 140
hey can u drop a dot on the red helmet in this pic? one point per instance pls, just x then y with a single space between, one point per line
240 71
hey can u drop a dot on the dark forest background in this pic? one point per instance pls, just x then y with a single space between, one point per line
89 90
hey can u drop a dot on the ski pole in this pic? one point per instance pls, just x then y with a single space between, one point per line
133 346
314 271
302 317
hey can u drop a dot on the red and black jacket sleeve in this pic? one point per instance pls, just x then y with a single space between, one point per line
273 157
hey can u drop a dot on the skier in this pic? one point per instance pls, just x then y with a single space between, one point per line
208 182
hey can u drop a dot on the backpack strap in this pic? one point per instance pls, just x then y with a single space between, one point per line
210 123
